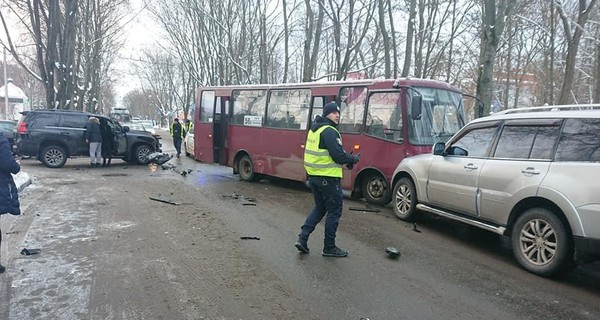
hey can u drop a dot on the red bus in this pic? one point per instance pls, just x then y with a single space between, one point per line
260 130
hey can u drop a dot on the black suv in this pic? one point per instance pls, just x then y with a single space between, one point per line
55 135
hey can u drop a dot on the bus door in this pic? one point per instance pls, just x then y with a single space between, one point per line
204 128
220 130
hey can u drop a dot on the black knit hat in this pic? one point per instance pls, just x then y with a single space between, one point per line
329 108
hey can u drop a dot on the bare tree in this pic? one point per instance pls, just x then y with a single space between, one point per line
494 16
410 35
73 55
312 39
573 40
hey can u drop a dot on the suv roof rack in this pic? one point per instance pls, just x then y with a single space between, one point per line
59 110
552 108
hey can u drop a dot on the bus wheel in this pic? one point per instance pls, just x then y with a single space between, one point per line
246 169
375 189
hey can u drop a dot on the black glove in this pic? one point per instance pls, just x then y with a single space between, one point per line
349 165
355 158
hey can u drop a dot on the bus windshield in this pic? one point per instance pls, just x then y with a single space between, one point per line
441 116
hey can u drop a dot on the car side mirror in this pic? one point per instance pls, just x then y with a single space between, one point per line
125 129
415 107
457 151
438 148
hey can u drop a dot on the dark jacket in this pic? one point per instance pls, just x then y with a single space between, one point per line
93 132
177 130
329 140
108 142
9 199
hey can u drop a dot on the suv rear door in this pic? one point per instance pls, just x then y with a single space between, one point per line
518 165
454 178
72 128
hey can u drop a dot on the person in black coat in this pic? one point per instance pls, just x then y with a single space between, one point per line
9 198
108 144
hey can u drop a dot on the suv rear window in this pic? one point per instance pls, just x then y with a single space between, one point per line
579 141
73 120
41 119
528 139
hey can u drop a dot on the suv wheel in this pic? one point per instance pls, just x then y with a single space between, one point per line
405 200
541 243
53 156
141 154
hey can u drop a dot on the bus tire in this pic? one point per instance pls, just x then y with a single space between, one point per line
375 189
246 169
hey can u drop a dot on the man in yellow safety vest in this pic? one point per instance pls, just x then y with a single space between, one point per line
323 159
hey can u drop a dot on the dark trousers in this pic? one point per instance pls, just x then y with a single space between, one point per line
329 199
177 143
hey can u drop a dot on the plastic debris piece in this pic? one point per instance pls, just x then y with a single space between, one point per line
415 228
364 209
250 238
392 252
29 252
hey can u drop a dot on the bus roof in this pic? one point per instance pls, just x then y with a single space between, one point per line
380 83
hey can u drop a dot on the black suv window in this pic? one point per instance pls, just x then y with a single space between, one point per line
524 139
41 119
73 120
579 141
477 140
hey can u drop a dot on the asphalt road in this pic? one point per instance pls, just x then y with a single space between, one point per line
110 252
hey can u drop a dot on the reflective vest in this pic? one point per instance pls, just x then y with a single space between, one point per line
188 127
318 162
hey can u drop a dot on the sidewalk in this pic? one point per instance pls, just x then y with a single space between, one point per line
22 180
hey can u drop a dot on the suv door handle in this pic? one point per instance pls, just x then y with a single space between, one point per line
64 133
470 166
530 170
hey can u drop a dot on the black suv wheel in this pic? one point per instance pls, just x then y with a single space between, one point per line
141 153
53 156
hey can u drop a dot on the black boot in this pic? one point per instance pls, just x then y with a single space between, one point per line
302 245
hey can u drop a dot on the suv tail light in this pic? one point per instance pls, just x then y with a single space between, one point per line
22 128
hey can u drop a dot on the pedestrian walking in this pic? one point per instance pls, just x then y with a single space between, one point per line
324 156
178 134
9 198
93 136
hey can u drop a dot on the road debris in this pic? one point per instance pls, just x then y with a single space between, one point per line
392 252
415 228
165 201
366 209
29 252
237 196
159 158
250 238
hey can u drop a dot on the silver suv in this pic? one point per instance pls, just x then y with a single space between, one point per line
532 176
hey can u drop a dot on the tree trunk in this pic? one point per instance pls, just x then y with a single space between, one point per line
494 17
410 33
386 39
573 40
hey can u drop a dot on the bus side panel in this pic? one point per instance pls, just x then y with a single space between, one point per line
285 154
374 152
249 139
